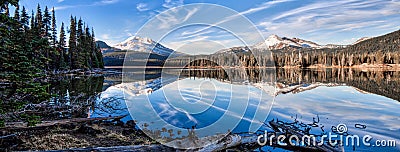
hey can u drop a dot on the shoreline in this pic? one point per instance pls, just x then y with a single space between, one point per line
395 67
115 69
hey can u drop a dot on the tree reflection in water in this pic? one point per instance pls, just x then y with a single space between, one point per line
72 96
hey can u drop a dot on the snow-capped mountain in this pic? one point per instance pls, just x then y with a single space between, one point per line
146 45
274 42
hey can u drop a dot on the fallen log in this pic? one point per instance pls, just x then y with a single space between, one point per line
17 126
299 134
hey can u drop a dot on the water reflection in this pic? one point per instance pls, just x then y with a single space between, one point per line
348 96
185 99
73 96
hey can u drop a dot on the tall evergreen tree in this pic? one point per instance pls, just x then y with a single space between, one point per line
80 62
93 49
72 52
24 19
33 20
46 23
62 42
97 52
53 28
88 51
16 13
39 21
62 47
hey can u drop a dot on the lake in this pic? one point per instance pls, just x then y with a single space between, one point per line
168 103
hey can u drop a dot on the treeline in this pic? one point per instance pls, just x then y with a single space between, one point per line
31 49
238 59
34 39
378 51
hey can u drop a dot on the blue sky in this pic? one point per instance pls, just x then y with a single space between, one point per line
324 22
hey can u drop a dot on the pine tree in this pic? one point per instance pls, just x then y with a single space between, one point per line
39 21
24 19
95 61
16 13
36 41
72 44
62 45
80 45
53 28
97 52
46 23
33 20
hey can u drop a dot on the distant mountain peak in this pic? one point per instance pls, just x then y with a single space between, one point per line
274 42
138 39
143 44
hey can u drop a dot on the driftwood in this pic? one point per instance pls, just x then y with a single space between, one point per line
286 129
18 126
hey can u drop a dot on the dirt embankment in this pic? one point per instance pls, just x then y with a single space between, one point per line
99 134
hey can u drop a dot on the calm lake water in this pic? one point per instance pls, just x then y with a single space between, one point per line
165 102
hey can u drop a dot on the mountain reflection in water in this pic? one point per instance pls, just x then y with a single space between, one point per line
347 96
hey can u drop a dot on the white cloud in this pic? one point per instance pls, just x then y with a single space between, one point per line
174 17
261 7
110 39
103 2
142 7
172 3
108 1
65 7
326 19
59 1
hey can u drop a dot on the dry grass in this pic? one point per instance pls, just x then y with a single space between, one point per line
58 138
